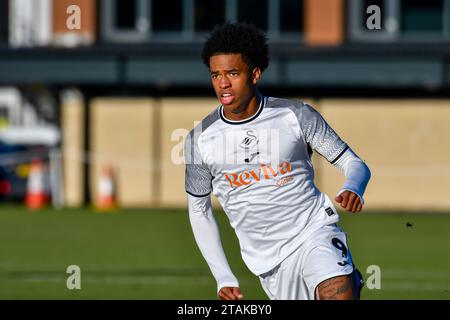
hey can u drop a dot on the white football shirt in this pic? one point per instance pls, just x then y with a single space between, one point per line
260 170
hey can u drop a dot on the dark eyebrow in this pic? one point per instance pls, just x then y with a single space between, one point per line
228 71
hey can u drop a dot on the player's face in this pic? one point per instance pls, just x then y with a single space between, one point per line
233 82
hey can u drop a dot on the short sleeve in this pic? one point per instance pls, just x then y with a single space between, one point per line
197 176
319 135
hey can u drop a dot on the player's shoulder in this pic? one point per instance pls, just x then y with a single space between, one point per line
295 105
202 126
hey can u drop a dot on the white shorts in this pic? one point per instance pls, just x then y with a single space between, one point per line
322 256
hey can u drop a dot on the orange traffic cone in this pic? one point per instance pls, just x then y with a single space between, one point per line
106 198
36 197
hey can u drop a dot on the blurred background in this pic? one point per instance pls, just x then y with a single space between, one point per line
96 97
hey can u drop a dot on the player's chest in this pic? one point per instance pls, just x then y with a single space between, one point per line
252 145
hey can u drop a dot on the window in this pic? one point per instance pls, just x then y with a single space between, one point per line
126 15
291 16
363 12
167 15
124 21
401 20
253 11
189 20
422 16
359 16
208 13
4 21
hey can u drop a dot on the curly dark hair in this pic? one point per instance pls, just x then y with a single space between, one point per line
241 38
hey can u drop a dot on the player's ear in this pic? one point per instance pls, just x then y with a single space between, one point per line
256 75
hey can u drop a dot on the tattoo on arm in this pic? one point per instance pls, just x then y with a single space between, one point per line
337 288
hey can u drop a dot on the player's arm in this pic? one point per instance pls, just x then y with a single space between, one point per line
357 176
322 138
206 232
207 236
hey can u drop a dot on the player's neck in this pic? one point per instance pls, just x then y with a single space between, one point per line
246 111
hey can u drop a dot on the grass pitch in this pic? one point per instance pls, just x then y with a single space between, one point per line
151 254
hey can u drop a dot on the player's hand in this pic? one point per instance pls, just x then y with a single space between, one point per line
230 293
350 201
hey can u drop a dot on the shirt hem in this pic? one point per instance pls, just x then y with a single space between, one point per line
294 248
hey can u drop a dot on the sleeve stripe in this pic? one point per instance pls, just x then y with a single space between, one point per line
198 196
340 155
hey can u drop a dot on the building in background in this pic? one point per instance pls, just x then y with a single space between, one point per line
122 82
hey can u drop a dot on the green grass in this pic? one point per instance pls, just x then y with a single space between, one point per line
151 254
